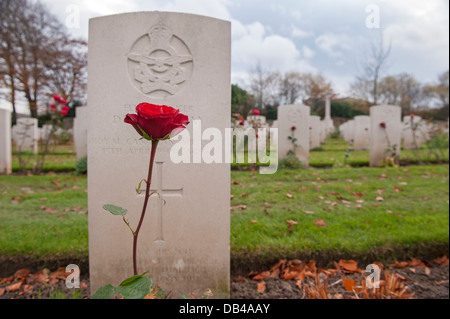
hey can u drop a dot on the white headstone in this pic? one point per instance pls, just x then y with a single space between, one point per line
80 131
315 131
289 117
323 131
27 135
329 126
348 131
385 126
183 61
413 132
5 141
361 137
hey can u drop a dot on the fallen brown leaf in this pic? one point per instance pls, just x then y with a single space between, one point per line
308 212
349 266
238 207
289 195
427 271
22 273
320 223
291 222
443 261
2 291
14 287
261 287
348 284
400 265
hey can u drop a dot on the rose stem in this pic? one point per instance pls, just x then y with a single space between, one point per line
144 208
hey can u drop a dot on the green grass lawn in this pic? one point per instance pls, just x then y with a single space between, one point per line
363 209
40 215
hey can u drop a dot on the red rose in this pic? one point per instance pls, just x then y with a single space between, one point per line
412 116
53 106
56 98
242 123
157 122
293 128
383 125
62 101
64 112
256 112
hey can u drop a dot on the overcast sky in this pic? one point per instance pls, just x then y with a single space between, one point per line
329 37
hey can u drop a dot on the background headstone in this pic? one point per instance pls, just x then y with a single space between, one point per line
315 131
5 141
80 124
175 59
413 132
361 135
383 138
294 116
329 125
27 135
348 131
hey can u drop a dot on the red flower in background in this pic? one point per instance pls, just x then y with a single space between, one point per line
293 128
157 122
383 124
256 112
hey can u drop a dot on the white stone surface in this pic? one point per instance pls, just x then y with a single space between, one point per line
26 135
361 135
414 132
80 124
384 138
294 116
184 243
348 131
315 131
5 142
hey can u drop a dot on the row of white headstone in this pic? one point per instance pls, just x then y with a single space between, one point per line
380 131
413 132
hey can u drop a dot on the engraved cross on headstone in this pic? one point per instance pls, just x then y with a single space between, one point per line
157 186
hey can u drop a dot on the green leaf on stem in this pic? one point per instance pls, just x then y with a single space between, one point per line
136 287
115 210
104 292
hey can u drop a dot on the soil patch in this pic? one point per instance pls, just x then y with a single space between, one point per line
428 281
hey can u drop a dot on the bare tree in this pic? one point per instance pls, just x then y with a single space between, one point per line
366 85
264 86
35 52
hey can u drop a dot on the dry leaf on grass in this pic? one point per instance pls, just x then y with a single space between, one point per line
238 207
289 195
320 223
308 212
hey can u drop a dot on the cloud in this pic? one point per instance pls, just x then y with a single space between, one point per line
299 33
307 52
256 44
333 44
